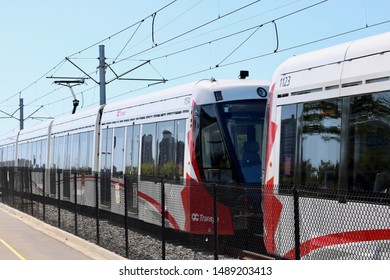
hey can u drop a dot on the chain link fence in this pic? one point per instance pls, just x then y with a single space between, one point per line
152 218
317 223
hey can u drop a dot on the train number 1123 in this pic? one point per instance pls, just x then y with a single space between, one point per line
285 81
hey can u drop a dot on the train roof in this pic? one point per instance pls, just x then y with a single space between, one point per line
186 89
336 54
82 120
175 102
351 68
34 132
8 139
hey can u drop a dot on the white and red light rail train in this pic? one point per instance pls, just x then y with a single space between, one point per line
201 132
329 134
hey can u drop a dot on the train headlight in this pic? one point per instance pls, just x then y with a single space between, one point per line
262 92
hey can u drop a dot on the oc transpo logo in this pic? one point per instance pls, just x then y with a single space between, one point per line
195 217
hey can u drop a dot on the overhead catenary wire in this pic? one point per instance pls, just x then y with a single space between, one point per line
214 30
224 37
122 30
255 28
33 83
169 40
221 64
194 29
83 50
125 29
282 50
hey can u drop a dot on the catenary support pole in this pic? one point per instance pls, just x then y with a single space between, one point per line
102 75
21 116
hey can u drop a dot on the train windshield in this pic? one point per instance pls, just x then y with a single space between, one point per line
230 138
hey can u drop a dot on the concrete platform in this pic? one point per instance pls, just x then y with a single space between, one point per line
25 237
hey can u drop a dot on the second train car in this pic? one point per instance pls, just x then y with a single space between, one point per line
191 135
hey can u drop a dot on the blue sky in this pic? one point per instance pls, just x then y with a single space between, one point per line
37 36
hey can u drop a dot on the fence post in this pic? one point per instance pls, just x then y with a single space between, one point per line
75 203
163 218
21 181
296 225
59 197
97 208
126 218
31 191
13 186
44 194
215 207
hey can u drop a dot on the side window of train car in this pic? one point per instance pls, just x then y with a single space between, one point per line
180 126
12 155
320 143
314 135
43 153
148 152
59 153
106 149
288 147
166 149
68 149
22 153
75 158
86 152
310 144
132 149
369 143
118 154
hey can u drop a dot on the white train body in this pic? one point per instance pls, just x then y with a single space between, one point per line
328 129
145 139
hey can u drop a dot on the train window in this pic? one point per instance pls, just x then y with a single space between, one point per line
22 158
75 159
2 156
148 152
288 134
43 153
59 154
242 124
6 156
214 157
180 144
166 149
11 154
26 155
320 157
342 143
67 145
37 157
132 149
106 154
29 154
86 152
369 143
34 153
118 154
106 160
52 150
